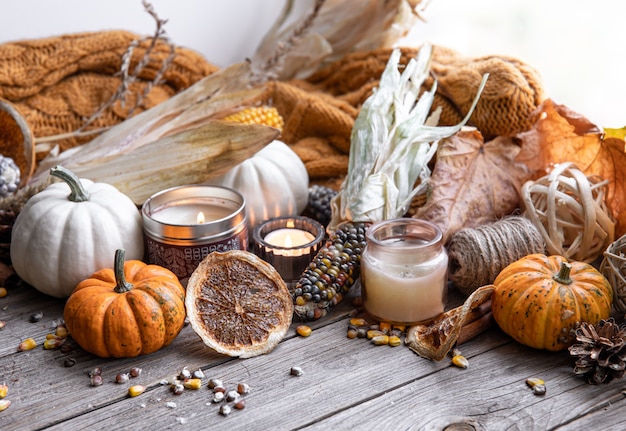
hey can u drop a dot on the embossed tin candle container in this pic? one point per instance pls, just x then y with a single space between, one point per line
182 225
404 271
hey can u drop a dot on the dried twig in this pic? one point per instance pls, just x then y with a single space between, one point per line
264 71
128 78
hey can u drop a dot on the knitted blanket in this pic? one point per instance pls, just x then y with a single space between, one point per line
58 82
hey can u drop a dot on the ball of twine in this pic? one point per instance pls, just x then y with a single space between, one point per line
477 255
613 267
569 210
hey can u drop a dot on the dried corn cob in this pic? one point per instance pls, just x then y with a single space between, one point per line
391 145
265 115
332 273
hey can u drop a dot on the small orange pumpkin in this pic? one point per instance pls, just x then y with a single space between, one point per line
540 299
126 311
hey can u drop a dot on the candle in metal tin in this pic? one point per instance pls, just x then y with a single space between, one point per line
289 244
182 225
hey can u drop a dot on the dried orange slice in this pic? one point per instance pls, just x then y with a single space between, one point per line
238 304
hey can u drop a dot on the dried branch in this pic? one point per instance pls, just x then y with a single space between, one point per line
265 72
128 78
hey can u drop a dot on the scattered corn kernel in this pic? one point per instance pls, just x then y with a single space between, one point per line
380 340
352 333
177 388
534 381
374 333
394 341
225 409
303 330
61 331
460 361
401 328
27 344
213 383
2 324
358 321
243 388
192 383
539 389
4 390
4 404
3 292
218 397
136 390
52 343
385 327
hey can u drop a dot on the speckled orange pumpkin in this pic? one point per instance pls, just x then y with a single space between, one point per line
126 311
539 299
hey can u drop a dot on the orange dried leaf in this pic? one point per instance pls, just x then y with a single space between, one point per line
473 182
560 135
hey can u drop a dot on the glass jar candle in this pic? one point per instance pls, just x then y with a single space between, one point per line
289 244
404 271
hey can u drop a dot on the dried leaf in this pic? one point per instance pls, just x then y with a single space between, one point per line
473 182
435 338
615 133
560 135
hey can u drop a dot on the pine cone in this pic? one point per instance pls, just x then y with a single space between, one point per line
7 218
10 207
600 351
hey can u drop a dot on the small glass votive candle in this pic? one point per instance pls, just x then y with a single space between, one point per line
289 244
404 271
183 224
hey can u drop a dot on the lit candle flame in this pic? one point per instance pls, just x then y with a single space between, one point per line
288 242
200 218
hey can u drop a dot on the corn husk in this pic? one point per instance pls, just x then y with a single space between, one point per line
189 109
191 156
392 142
336 29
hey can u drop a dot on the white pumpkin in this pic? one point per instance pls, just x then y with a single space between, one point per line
71 229
274 182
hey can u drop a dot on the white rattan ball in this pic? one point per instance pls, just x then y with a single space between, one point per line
569 210
613 267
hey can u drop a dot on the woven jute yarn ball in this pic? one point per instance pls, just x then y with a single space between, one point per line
613 267
477 255
569 210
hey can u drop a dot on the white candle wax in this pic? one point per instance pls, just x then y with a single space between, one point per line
288 238
404 294
188 214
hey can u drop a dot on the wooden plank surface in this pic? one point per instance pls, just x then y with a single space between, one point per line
347 384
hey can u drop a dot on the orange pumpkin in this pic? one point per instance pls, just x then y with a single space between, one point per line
539 300
126 311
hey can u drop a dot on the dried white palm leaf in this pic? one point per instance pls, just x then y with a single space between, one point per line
392 142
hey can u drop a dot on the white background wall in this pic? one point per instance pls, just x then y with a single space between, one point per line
579 47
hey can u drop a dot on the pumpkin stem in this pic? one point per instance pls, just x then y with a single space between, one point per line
563 275
121 285
77 191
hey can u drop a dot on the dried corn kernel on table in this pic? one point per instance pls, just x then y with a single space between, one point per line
320 382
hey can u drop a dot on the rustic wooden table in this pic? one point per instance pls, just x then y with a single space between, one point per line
347 384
